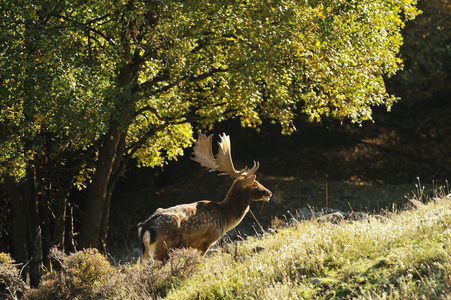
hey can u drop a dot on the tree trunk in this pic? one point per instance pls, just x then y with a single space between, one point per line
70 243
19 223
34 229
60 223
97 206
65 183
90 234
117 166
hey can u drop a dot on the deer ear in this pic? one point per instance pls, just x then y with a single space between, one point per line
248 181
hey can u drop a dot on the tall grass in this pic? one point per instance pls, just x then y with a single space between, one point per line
404 255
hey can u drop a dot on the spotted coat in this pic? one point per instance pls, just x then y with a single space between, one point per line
198 225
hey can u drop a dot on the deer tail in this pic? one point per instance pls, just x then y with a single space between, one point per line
147 233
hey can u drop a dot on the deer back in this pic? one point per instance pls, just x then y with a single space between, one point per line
196 225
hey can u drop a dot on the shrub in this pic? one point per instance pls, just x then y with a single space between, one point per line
82 275
11 284
88 275
154 279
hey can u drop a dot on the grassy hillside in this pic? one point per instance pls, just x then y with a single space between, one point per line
406 256
402 255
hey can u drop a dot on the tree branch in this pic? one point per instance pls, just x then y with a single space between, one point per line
193 117
95 20
108 39
155 80
166 77
194 78
151 109
87 26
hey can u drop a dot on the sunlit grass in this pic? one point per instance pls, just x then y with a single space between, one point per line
401 255
404 256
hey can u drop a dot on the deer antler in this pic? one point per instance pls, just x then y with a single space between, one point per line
251 171
203 154
224 157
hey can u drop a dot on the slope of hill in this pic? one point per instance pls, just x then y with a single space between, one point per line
400 255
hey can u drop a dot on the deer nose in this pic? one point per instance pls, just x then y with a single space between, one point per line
268 195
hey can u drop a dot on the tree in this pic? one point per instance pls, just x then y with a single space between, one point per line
87 86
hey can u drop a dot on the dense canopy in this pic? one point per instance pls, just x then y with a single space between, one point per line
87 85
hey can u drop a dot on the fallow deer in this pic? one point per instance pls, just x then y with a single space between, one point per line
198 225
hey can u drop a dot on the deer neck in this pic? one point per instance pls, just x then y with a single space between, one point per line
234 207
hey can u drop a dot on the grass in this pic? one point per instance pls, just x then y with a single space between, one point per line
402 255
289 195
406 256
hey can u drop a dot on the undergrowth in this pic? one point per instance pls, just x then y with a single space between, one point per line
403 255
88 275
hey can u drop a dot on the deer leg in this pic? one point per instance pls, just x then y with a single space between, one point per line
162 248
204 248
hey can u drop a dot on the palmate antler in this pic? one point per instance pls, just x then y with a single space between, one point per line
203 154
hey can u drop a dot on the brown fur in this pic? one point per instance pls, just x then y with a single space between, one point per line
198 225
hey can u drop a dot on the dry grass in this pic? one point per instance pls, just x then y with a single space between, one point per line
88 275
405 255
11 284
